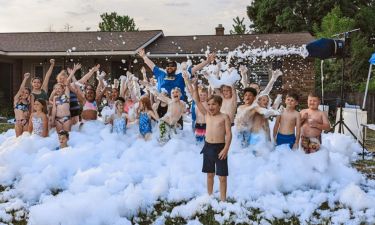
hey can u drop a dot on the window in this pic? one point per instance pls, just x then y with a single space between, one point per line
260 73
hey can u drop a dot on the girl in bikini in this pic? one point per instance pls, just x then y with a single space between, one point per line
22 107
38 120
61 108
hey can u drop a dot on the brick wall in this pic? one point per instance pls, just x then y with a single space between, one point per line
299 76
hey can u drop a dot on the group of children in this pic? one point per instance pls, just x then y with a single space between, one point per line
214 112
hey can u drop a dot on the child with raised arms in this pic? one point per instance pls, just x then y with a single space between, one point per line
22 107
169 122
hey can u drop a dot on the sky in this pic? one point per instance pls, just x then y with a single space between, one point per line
183 17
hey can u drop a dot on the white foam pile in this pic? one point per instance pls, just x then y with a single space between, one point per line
103 178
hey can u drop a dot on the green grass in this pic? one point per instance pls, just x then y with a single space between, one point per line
5 126
366 167
208 216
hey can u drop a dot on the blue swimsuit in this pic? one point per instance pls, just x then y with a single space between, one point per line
144 123
119 125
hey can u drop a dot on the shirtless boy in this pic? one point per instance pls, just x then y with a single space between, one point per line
218 140
288 125
176 109
229 105
243 125
313 122
200 119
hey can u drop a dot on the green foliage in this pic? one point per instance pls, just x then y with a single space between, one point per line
356 66
270 16
5 127
238 27
334 22
114 22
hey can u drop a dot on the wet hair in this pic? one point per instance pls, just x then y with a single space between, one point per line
314 95
255 84
89 86
146 102
203 89
176 88
28 89
251 90
37 78
223 86
64 133
62 73
293 95
216 98
57 84
44 104
118 102
120 99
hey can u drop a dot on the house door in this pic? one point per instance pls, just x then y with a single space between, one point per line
6 88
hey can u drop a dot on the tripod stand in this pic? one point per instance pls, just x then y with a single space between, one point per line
341 123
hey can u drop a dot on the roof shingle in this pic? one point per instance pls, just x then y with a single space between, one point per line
80 41
198 44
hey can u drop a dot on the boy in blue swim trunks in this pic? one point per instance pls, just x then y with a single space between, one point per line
218 139
288 125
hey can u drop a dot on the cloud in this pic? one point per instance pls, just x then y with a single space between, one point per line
169 15
177 4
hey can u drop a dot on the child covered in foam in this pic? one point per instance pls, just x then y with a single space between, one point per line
252 120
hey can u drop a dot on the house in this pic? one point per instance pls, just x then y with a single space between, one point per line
116 52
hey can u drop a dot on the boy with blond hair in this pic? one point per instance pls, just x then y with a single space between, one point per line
313 122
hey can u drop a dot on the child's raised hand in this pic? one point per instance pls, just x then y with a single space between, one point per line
69 70
77 66
52 61
276 73
26 75
185 75
243 69
142 53
96 68
211 57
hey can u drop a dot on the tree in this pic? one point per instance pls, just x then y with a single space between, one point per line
238 27
359 48
114 22
270 16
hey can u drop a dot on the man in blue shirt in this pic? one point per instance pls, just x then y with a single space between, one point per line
169 79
